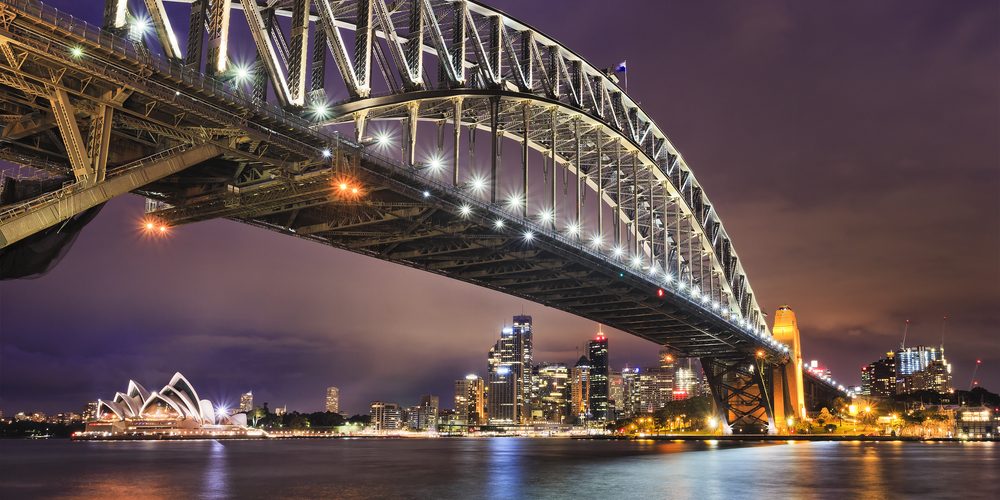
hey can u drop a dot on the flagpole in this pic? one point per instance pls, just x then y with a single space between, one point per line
626 76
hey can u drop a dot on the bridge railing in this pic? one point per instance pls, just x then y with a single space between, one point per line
71 187
127 48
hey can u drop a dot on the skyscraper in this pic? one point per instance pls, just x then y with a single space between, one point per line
333 400
470 400
597 349
616 395
246 402
580 389
386 416
550 391
509 374
879 377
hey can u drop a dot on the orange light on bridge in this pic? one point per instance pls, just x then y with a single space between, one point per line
347 187
760 353
154 227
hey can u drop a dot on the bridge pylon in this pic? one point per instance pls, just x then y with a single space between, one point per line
741 392
788 387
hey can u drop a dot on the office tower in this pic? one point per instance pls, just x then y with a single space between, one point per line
616 395
470 400
509 374
89 411
246 402
632 392
879 377
550 392
580 389
423 417
386 416
686 381
333 400
597 350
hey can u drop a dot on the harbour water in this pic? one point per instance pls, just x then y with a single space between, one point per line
496 468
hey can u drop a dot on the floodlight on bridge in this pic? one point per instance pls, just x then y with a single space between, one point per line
528 236
545 216
465 210
241 73
76 52
139 27
498 224
326 153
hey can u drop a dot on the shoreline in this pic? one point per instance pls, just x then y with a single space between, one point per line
798 437
748 438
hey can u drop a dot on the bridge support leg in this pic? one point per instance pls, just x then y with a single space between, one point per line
40 214
742 395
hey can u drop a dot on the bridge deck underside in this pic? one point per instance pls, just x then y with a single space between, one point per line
391 219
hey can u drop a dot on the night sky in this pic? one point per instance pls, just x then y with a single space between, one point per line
852 149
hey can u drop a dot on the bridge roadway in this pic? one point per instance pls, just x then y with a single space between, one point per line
91 105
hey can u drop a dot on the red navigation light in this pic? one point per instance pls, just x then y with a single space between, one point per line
660 293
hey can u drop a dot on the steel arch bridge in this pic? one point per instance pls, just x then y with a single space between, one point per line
380 127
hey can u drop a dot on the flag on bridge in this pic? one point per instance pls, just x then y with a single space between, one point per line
622 68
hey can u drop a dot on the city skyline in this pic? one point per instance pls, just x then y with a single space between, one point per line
853 278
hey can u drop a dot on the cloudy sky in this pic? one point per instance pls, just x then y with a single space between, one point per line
852 148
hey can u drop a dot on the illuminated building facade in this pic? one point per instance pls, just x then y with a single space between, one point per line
509 374
423 417
386 416
332 400
976 423
470 400
616 395
922 369
879 377
175 407
549 396
246 402
597 350
580 385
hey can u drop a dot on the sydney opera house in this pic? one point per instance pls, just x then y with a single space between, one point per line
174 410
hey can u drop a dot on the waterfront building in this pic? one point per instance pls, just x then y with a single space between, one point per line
616 395
509 374
632 392
550 395
470 400
423 417
879 377
976 423
385 416
687 382
580 377
936 377
89 411
281 410
174 407
597 351
333 400
246 402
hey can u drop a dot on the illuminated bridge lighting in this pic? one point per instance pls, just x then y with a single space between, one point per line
478 184
383 139
498 224
528 236
545 216
617 251
154 227
465 210
76 52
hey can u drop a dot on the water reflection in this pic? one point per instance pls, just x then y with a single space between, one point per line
504 468
216 480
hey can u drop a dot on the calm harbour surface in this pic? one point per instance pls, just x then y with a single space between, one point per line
496 468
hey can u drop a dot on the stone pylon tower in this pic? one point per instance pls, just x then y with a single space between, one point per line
789 394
